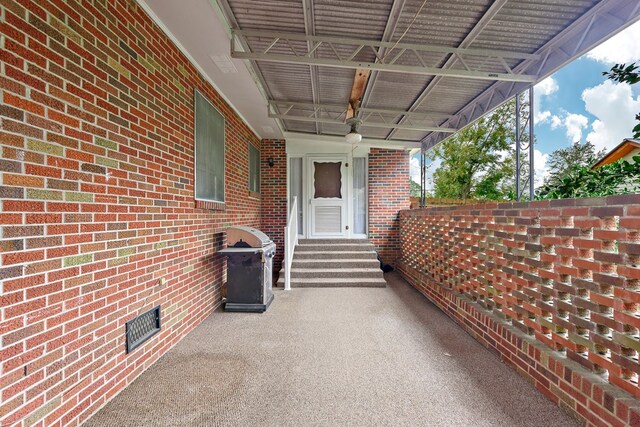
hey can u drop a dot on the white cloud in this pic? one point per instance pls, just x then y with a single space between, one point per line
615 108
573 124
542 117
540 167
621 48
414 169
546 87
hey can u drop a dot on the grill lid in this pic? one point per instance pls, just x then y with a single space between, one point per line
240 236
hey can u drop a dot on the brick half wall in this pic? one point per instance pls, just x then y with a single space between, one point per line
388 195
551 287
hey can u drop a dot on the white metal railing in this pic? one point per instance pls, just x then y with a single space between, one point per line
290 242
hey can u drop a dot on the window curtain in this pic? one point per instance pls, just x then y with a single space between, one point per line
359 195
295 186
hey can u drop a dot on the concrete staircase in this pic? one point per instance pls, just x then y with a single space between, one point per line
329 263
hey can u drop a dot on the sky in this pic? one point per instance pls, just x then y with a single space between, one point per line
578 103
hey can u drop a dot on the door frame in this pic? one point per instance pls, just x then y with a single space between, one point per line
345 201
303 150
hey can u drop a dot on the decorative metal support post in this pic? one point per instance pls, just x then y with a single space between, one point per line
525 137
518 134
423 175
532 139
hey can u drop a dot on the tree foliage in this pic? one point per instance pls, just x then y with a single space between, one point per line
623 73
414 188
564 160
620 177
477 162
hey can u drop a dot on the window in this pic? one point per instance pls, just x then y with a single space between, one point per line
209 152
254 168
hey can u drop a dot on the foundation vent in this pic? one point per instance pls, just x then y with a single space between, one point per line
142 328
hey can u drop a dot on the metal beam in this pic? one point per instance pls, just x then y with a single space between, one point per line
280 48
226 10
311 138
580 37
340 109
282 37
364 123
393 68
389 30
451 60
309 28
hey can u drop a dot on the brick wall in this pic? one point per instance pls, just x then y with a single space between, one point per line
96 137
552 287
388 195
273 189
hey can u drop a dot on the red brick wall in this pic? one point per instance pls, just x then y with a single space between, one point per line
552 287
388 195
98 203
273 189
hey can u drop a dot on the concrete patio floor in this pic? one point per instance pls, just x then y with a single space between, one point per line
339 357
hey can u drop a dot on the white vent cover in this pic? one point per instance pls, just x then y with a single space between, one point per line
328 219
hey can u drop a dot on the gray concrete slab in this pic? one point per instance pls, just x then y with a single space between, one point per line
332 357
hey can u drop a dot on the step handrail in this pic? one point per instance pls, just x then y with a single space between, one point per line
290 241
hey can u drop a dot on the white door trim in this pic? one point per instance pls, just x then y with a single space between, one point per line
328 203
295 149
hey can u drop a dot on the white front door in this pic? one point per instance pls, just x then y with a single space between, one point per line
327 196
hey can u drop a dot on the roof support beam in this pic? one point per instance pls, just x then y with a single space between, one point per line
339 110
309 29
359 84
280 48
253 70
372 117
582 36
469 38
389 30
364 123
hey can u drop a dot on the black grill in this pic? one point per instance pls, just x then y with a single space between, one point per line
142 328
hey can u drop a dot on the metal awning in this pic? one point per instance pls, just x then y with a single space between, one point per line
431 72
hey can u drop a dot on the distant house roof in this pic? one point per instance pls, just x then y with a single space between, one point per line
626 147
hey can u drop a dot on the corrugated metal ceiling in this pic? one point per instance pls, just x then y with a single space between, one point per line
521 26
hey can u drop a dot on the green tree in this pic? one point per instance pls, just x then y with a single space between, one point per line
623 73
620 177
414 188
563 161
477 162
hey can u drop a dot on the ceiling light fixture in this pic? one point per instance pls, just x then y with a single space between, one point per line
353 137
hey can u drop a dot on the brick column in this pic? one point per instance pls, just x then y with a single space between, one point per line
388 195
273 189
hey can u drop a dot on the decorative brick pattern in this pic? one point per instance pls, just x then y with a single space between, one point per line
553 287
388 195
273 190
96 180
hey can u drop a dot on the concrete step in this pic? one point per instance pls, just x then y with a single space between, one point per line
330 241
335 273
333 254
335 263
363 247
352 282
332 263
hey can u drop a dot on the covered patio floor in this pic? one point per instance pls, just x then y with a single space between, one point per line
342 356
